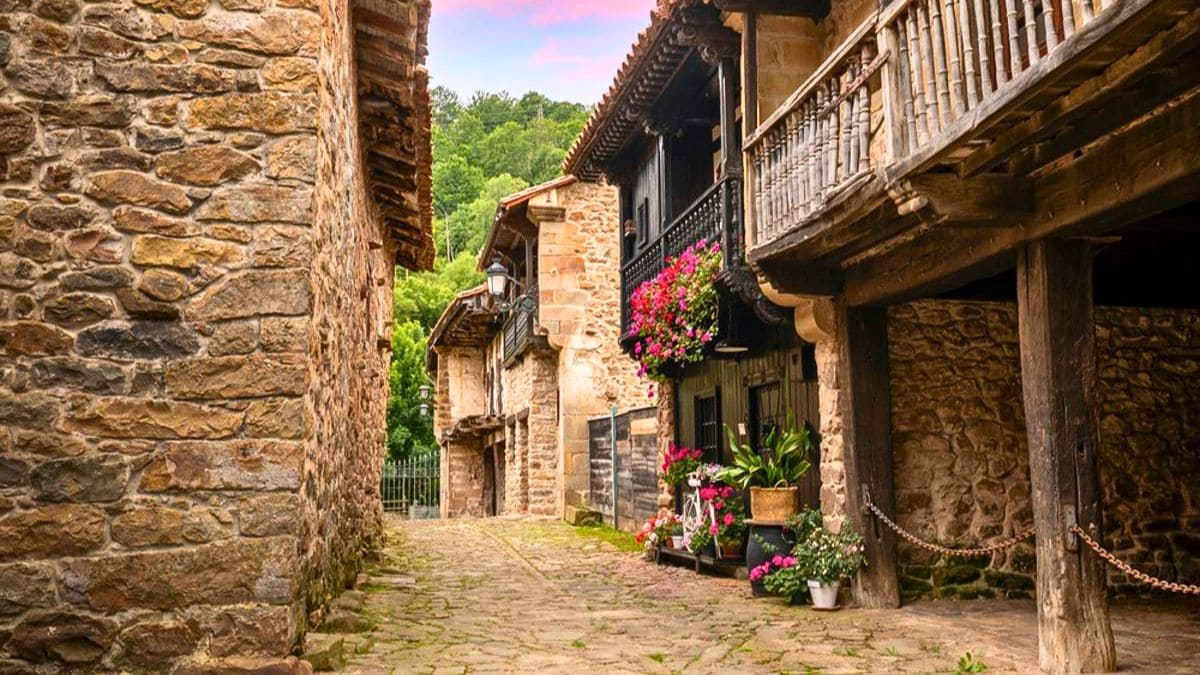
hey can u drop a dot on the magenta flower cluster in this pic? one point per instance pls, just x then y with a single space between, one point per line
674 315
778 562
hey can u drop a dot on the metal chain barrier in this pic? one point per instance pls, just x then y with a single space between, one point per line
1127 569
944 550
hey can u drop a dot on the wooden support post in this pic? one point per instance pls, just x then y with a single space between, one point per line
1058 377
867 420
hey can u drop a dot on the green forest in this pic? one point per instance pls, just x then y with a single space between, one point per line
483 149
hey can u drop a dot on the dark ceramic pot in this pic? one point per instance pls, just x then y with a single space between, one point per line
756 554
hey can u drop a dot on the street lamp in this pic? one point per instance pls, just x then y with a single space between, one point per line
423 392
498 279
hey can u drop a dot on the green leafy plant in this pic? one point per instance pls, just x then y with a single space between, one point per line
967 663
828 556
783 463
699 540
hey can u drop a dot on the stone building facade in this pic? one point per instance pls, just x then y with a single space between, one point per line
195 301
515 389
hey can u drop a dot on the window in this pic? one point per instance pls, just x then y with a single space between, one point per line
643 223
708 426
766 412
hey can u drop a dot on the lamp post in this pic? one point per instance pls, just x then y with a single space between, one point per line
498 279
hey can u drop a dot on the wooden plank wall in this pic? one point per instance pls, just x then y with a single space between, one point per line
637 465
735 377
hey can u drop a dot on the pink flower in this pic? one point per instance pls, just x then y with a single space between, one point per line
728 519
712 529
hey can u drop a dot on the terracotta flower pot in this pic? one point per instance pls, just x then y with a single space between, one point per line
733 549
773 504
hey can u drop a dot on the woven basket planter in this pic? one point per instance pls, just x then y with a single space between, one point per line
773 504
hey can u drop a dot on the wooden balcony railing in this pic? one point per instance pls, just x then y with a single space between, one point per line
946 76
817 142
956 61
714 216
519 327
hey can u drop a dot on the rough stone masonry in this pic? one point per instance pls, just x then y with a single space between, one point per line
195 308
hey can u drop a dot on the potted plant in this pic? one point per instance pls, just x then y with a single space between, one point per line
727 519
705 474
772 475
678 463
780 576
673 316
677 535
700 541
824 558
656 531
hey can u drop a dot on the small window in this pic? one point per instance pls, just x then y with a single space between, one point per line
766 412
708 427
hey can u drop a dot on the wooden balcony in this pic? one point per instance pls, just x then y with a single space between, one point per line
817 144
963 94
714 216
518 328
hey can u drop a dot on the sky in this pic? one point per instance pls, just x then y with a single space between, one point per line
566 49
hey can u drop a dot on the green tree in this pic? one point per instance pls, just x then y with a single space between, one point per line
455 182
469 225
489 147
410 430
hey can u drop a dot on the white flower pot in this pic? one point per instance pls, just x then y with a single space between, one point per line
694 482
824 596
677 541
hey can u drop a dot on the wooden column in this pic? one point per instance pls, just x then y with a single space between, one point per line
731 149
867 424
1058 377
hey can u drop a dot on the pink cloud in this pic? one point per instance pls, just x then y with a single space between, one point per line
578 60
545 12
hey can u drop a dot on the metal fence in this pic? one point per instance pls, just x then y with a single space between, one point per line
412 485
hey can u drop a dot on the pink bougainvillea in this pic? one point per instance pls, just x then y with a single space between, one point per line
674 315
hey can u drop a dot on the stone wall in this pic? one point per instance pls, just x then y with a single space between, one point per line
958 438
579 286
531 450
348 340
192 378
961 457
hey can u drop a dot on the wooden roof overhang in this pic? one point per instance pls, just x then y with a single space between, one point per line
473 426
512 224
390 38
657 55
470 320
678 29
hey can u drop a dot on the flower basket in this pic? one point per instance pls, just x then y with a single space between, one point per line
733 549
774 505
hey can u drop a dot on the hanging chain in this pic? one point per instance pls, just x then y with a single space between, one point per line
944 550
1130 571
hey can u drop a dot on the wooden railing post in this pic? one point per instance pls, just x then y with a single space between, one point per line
897 102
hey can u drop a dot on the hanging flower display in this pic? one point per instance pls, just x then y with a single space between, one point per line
674 315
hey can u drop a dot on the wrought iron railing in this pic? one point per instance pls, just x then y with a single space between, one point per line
519 327
412 485
714 216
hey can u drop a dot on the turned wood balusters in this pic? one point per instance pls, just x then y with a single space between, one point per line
816 142
952 56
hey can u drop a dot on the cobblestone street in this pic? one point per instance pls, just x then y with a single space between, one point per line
499 595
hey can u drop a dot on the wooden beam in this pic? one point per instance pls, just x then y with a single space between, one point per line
805 279
1089 96
814 9
750 73
867 423
1058 378
1146 169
